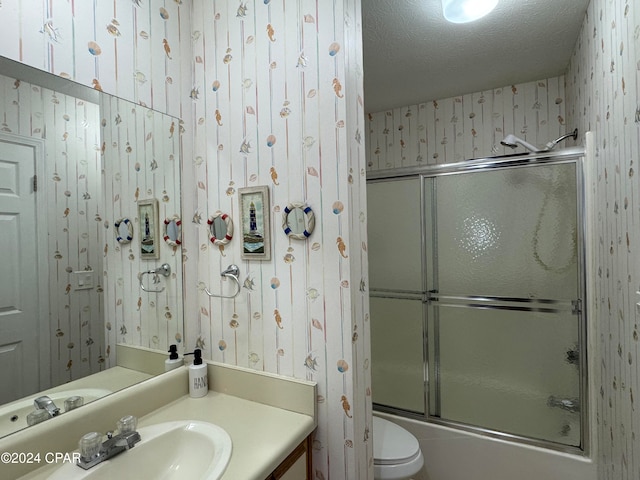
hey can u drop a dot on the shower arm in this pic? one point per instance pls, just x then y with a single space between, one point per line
552 144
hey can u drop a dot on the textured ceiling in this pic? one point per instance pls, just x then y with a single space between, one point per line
412 55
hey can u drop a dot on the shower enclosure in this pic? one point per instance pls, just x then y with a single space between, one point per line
477 296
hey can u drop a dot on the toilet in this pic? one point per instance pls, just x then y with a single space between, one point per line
396 453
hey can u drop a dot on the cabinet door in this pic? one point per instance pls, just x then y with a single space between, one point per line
296 466
297 471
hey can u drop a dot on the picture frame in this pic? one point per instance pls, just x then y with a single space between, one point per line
173 231
123 229
255 223
298 220
220 228
149 229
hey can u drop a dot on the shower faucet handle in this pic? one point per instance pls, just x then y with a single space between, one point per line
573 356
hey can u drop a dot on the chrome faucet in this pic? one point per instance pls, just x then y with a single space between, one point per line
45 403
94 451
569 404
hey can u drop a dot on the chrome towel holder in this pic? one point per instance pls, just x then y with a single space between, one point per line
164 270
232 271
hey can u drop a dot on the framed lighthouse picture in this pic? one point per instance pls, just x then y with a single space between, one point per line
149 229
254 208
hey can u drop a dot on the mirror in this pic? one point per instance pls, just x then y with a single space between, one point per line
220 228
95 156
173 231
298 221
123 230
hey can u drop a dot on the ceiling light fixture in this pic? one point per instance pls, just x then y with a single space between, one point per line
463 11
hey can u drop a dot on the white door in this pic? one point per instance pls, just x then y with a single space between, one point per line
19 281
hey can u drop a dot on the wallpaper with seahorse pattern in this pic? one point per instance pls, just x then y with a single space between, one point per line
467 126
128 48
271 93
70 130
603 89
602 85
141 156
278 101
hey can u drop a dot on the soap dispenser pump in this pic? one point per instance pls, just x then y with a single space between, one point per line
198 384
174 361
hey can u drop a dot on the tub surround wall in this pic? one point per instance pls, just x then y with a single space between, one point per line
603 96
467 126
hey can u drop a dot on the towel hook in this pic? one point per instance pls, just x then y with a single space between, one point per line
232 271
164 269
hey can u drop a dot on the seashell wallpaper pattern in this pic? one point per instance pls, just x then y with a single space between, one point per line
467 126
70 130
141 157
270 93
128 48
277 99
604 96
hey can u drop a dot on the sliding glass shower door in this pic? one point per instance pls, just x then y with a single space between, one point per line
477 298
397 293
504 303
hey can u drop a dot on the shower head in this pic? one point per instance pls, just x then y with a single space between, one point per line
512 141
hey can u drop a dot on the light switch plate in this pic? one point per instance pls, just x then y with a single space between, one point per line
82 280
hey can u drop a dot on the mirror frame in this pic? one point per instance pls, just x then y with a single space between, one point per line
310 221
129 224
178 241
228 221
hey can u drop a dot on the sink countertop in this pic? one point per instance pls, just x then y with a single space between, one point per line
262 436
264 428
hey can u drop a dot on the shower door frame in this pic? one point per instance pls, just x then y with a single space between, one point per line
575 155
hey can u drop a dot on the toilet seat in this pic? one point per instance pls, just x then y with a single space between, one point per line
392 444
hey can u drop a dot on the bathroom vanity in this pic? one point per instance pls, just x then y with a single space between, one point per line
269 419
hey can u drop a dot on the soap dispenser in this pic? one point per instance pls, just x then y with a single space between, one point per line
198 385
174 361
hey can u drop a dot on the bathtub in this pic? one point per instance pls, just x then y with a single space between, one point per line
451 454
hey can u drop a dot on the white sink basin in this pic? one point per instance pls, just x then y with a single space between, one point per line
13 416
178 450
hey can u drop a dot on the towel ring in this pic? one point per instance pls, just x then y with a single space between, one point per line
164 269
232 271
